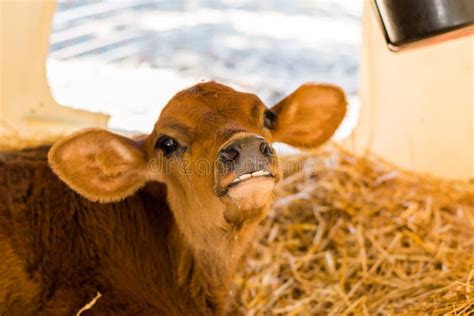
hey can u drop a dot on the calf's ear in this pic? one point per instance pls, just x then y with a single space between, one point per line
309 116
99 165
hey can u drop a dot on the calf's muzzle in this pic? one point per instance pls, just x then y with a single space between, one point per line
246 155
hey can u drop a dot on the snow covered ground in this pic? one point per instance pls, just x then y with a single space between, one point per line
155 48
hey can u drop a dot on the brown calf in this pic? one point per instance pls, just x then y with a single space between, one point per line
156 225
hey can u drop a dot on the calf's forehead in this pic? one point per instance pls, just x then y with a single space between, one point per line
210 106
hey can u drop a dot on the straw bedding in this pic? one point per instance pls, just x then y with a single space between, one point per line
356 236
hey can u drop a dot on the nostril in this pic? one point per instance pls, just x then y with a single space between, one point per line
229 154
266 149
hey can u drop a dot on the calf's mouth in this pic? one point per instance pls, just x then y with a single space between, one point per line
248 189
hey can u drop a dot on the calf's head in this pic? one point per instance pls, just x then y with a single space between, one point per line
211 146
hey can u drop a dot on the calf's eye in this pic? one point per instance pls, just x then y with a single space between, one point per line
167 144
269 119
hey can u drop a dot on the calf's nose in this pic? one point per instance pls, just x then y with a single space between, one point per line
247 154
229 154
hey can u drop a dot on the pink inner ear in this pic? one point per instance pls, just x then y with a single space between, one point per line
309 116
115 158
291 111
99 165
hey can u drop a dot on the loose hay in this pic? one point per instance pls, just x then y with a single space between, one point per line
350 235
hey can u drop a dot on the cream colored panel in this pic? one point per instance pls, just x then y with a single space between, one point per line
26 103
417 105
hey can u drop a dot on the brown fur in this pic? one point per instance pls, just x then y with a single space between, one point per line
162 244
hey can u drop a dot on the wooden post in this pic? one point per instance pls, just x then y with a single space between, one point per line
26 102
417 106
